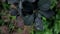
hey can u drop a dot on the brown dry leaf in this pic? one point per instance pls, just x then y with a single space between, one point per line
4 29
27 29
13 6
5 18
19 22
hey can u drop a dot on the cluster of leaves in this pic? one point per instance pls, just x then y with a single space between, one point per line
55 28
10 25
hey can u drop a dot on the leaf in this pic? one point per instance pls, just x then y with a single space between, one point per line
44 5
30 19
53 3
38 24
48 13
13 12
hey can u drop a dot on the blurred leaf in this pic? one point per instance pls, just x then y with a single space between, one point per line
53 3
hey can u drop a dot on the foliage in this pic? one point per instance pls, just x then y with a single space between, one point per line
55 29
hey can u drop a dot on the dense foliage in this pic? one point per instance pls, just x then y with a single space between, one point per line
30 17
